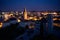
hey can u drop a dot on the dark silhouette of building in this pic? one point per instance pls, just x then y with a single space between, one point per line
42 28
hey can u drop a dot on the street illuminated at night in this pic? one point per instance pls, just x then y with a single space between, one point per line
29 20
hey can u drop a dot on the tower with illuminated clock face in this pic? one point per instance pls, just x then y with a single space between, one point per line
25 14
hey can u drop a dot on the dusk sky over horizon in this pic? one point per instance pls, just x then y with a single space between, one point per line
30 5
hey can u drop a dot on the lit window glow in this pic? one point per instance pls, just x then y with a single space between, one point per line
1 24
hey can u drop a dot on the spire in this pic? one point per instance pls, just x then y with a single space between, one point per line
25 10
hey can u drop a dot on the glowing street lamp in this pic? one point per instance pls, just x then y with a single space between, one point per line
18 20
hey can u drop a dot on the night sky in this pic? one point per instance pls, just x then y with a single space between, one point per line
30 5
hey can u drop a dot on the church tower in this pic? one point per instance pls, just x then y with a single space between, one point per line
25 14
